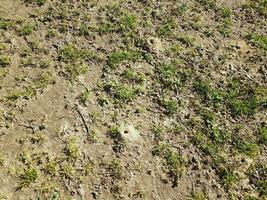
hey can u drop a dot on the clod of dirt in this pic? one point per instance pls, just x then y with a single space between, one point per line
130 133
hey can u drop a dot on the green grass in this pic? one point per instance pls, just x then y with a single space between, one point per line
5 24
168 76
240 99
127 23
75 70
259 40
119 56
72 150
4 60
169 105
26 29
115 169
247 147
37 2
225 12
114 132
173 162
133 76
67 171
228 177
84 96
263 135
29 176
50 167
198 196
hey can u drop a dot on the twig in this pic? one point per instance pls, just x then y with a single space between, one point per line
83 120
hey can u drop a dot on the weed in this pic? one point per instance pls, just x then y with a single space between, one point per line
225 12
5 24
168 76
72 150
29 176
75 70
117 57
37 2
227 177
133 76
127 23
26 29
169 105
125 93
115 169
1 160
198 196
84 96
263 135
257 177
187 40
166 30
157 132
88 167
114 132
51 33
246 147
244 106
172 161
51 167
208 3
84 30
4 61
259 40
67 171
258 5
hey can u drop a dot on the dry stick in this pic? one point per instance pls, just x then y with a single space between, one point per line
83 120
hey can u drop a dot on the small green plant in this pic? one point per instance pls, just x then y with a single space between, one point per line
263 135
50 167
67 171
84 30
5 24
172 161
228 177
51 33
115 169
119 56
127 23
157 132
246 147
133 76
72 150
4 60
75 70
187 40
26 29
84 96
166 30
198 196
168 76
225 12
125 93
114 132
88 167
37 2
257 177
259 40
3 73
169 105
29 176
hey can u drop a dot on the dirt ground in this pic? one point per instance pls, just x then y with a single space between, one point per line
135 99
